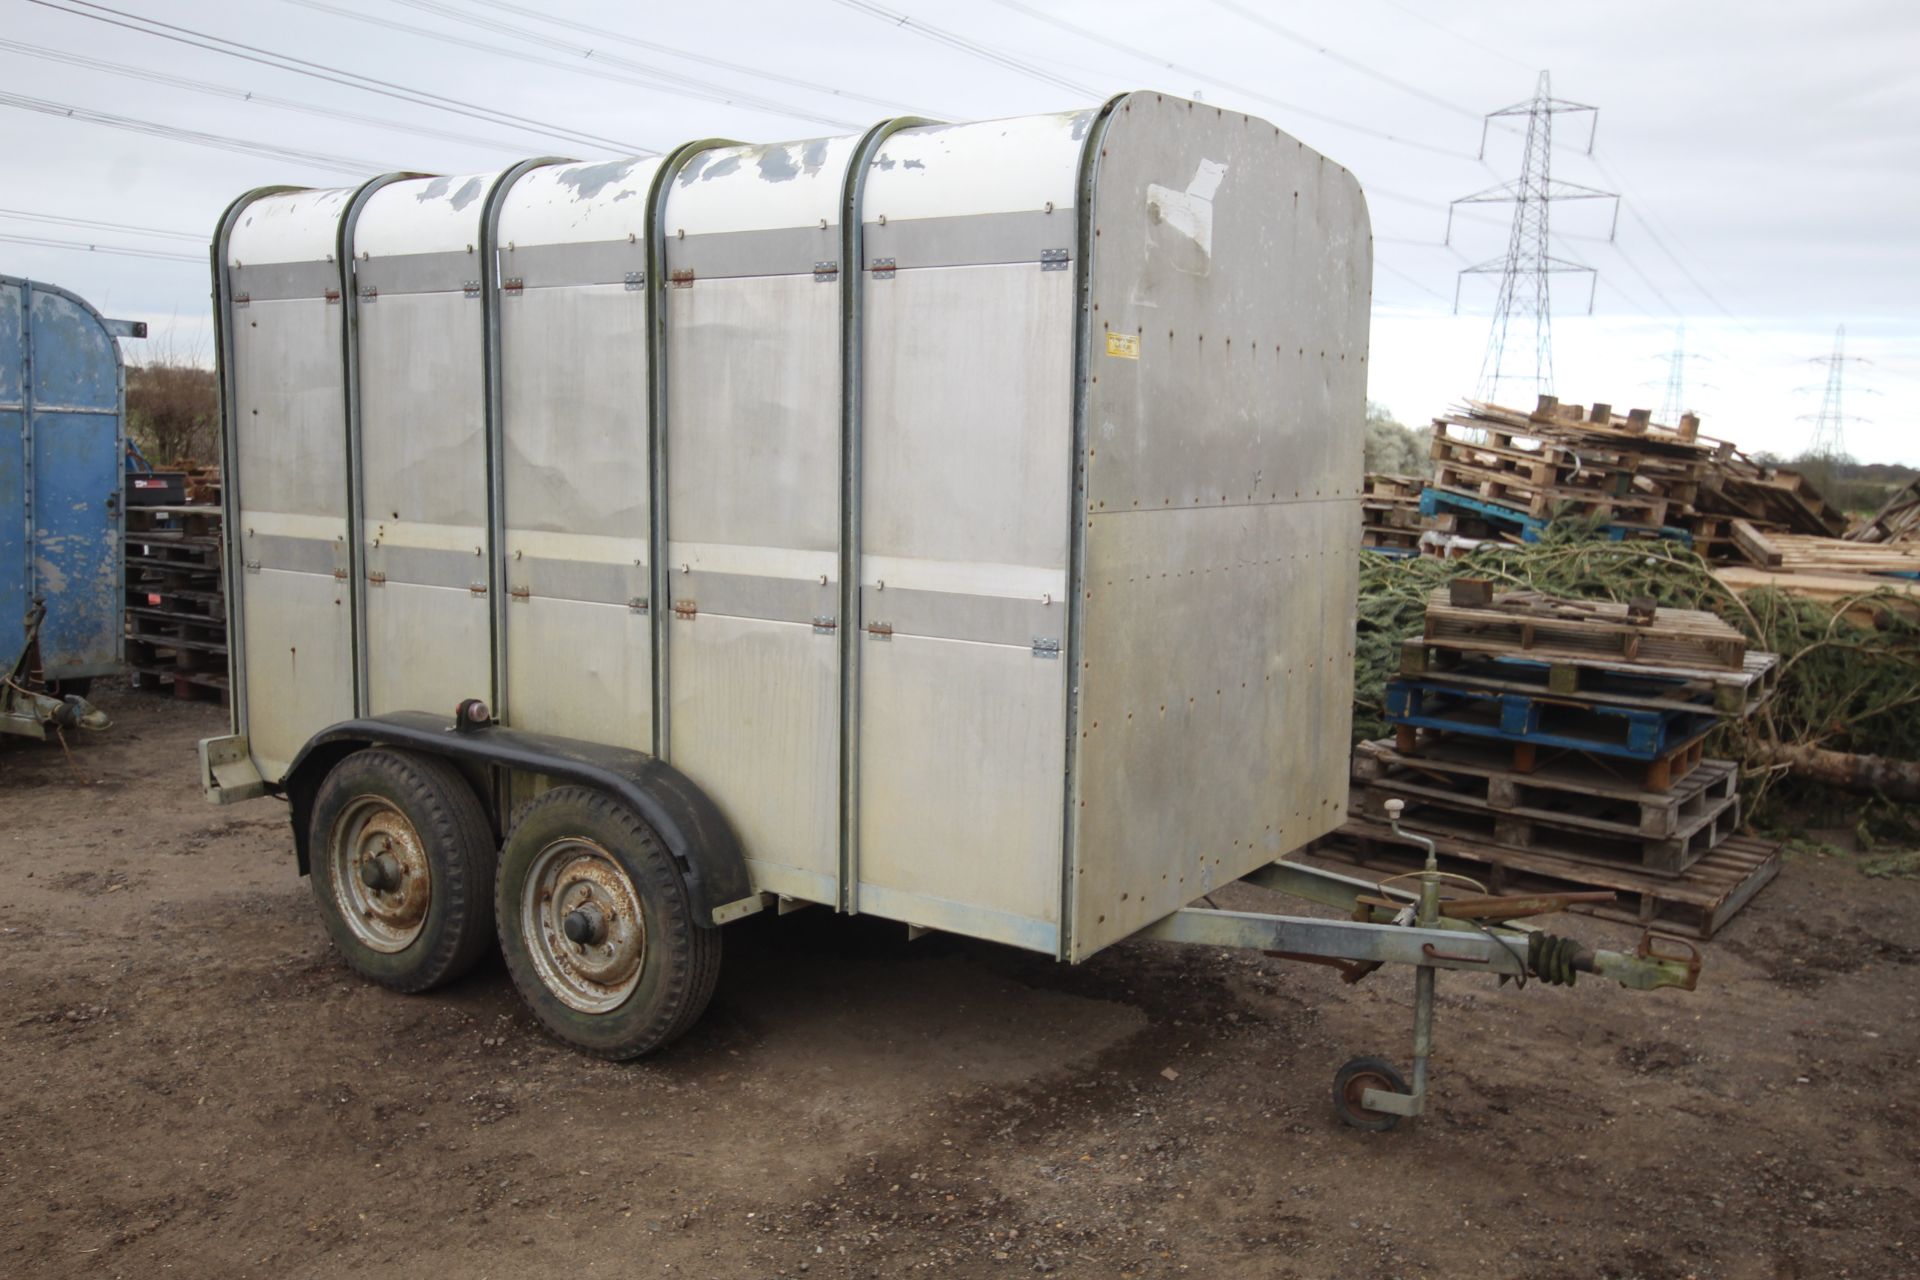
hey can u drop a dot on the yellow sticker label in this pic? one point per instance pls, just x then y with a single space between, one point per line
1124 345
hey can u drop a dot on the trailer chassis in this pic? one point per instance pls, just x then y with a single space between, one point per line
1411 924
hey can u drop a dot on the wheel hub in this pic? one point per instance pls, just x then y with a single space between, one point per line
382 881
582 921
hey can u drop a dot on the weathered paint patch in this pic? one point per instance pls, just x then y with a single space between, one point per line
469 192
730 165
589 180
777 165
814 155
434 190
693 167
1189 212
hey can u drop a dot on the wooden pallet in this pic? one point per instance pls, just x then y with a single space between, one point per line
1521 622
1600 679
1515 714
1557 832
1573 790
1659 774
1697 903
1544 500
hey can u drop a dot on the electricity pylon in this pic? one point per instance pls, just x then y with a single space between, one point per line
1529 263
1830 424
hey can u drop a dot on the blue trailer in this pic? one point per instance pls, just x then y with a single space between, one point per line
62 444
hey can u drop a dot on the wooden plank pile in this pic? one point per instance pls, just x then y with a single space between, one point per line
176 611
1561 743
1390 513
1897 521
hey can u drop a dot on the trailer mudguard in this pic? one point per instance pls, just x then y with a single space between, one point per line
685 818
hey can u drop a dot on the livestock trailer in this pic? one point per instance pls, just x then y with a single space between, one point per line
62 444
955 524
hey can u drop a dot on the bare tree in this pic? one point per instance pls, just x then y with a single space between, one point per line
173 404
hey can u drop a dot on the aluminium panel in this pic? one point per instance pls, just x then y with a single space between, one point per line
577 512
752 334
1223 423
423 445
967 375
288 499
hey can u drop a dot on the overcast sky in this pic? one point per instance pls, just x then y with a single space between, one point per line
1767 153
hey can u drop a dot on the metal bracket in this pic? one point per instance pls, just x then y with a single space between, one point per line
880 630
1053 259
882 268
635 280
513 284
826 271
470 288
252 566
376 578
477 588
369 293
823 624
242 299
682 279
523 594
332 296
637 604
227 772
1046 647
685 609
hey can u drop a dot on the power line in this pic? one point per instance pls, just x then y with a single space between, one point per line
61 220
1634 213
587 28
972 48
640 75
1394 271
1352 64
163 255
243 95
192 137
1100 38
332 75
1413 12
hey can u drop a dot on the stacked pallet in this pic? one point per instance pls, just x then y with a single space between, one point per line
176 613
1390 513
1518 470
1561 743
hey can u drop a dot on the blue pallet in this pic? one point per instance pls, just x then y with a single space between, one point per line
1531 527
1631 733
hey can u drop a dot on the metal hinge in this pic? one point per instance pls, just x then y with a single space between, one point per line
376 577
685 608
1053 259
369 293
1046 647
635 279
470 288
477 588
681 279
513 284
826 270
253 566
882 268
339 575
638 604
522 594
242 299
332 296
823 624
880 630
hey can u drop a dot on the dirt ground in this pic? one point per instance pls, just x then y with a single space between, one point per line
192 1082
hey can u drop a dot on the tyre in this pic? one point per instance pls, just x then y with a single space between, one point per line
1350 1085
597 926
402 866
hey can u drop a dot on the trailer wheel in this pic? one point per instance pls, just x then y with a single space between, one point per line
1350 1085
598 928
403 861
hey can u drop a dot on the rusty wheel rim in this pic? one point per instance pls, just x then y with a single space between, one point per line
1355 1091
581 918
382 881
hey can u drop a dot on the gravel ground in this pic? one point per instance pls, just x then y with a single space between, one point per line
192 1082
